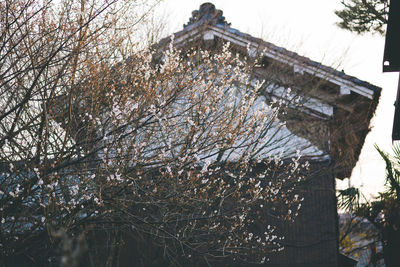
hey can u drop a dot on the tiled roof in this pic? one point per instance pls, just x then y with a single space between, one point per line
208 15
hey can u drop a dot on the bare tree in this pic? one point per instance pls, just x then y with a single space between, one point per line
99 139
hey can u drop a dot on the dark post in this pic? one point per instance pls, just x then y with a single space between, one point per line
391 57
396 120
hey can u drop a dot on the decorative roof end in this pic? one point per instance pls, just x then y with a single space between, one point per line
207 13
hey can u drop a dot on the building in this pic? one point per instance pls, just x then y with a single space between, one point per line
334 117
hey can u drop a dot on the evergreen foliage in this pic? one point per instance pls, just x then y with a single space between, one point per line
363 16
383 212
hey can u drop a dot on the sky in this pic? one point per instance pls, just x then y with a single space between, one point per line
308 27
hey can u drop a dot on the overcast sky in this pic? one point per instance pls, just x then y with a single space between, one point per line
308 27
